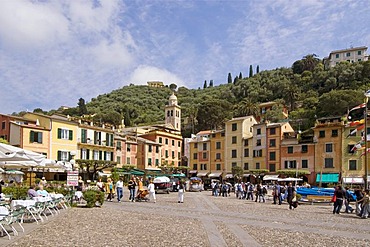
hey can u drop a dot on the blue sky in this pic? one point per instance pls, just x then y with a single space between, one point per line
54 52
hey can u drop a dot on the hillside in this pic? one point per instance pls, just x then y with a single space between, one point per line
307 89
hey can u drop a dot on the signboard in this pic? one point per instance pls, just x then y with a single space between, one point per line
72 178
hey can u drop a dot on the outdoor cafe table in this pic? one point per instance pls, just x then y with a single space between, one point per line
56 196
3 212
42 199
24 203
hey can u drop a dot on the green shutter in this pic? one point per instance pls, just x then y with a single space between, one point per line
111 156
83 136
107 140
95 137
87 154
59 133
59 155
112 140
39 137
100 155
32 136
105 155
70 137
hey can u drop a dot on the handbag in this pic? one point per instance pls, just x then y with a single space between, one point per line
334 198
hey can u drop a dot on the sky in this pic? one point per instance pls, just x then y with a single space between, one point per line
54 52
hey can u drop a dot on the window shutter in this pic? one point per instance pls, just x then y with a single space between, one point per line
59 158
111 140
83 136
105 155
95 137
70 137
111 156
87 154
107 140
59 133
100 155
69 156
32 136
39 137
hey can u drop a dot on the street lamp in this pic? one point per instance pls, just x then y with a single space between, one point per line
367 95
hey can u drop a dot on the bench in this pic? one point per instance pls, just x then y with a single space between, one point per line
316 198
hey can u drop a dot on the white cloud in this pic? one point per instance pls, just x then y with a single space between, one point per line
143 74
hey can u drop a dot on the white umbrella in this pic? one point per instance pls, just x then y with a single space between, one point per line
289 179
13 156
23 153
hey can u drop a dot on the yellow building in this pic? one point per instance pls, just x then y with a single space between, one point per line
236 131
217 154
259 146
199 159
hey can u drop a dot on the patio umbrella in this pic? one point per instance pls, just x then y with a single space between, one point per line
13 156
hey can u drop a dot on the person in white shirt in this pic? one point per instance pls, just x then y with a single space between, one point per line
119 188
151 190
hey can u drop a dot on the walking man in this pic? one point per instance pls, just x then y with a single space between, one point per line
119 188
131 187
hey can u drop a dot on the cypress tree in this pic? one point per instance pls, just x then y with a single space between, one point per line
240 76
211 83
236 79
205 84
250 70
229 78
258 69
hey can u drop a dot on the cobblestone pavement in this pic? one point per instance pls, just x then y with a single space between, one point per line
202 220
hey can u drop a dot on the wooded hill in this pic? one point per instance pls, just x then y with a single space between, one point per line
307 89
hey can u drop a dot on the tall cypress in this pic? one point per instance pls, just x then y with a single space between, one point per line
258 69
250 70
211 83
240 76
205 84
229 78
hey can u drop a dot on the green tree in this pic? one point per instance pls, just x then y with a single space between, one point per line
237 172
3 141
213 113
229 78
173 86
240 76
236 79
250 70
211 83
39 110
257 69
82 109
205 84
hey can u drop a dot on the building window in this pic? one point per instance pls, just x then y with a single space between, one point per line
203 167
290 164
259 142
304 148
304 164
173 155
358 52
233 140
348 54
204 155
166 141
218 167
157 149
334 133
290 150
257 165
195 145
258 131
329 163
272 167
166 153
3 125
336 55
157 162
257 153
218 145
272 143
179 155
149 161
195 156
272 131
195 167
118 145
351 149
63 156
222 134
160 140
179 144
234 127
35 136
218 156
322 133
352 165
150 148
128 160
246 143
233 153
204 146
246 152
128 147
173 142
233 164
65 134
272 155
246 166
108 156
329 147
213 135
96 155
118 159
83 154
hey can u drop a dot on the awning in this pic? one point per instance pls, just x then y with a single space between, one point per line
328 178
353 180
178 175
214 174
193 171
201 174
229 176
105 174
271 177
246 175
153 169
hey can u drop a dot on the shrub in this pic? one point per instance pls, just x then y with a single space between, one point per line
92 196
17 193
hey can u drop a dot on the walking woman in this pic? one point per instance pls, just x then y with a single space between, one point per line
340 195
151 190
109 189
181 190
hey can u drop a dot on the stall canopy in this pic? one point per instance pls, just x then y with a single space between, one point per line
289 179
328 178
202 174
353 180
178 175
214 174
271 177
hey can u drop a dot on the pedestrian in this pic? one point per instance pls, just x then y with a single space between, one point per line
151 190
348 196
119 188
181 190
100 185
365 205
339 195
359 196
277 193
250 191
131 187
109 189
290 195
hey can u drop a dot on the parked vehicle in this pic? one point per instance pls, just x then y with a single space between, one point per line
162 184
196 184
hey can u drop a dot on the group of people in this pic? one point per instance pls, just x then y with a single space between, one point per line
342 197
